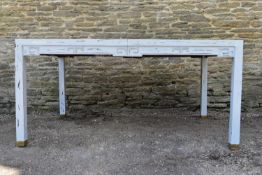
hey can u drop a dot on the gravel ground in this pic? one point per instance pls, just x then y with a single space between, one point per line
131 142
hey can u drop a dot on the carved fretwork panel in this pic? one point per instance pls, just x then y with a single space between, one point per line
129 48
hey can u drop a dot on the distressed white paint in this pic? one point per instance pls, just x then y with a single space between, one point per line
62 100
21 95
204 74
75 47
128 47
133 48
236 93
137 47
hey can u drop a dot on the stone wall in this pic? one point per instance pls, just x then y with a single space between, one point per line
149 82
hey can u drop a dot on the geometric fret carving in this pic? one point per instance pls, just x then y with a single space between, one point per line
130 48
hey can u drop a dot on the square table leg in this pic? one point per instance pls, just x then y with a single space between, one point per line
235 99
204 79
62 100
21 98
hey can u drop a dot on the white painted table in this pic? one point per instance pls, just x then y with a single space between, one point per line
129 48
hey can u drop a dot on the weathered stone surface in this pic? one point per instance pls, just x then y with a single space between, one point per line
117 82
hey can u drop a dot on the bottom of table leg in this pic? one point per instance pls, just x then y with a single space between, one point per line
234 147
203 116
21 143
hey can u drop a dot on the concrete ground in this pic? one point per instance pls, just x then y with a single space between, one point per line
131 142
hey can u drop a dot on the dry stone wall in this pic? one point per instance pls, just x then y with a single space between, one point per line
149 82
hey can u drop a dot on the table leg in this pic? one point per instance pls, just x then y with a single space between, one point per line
204 75
62 100
235 99
21 98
